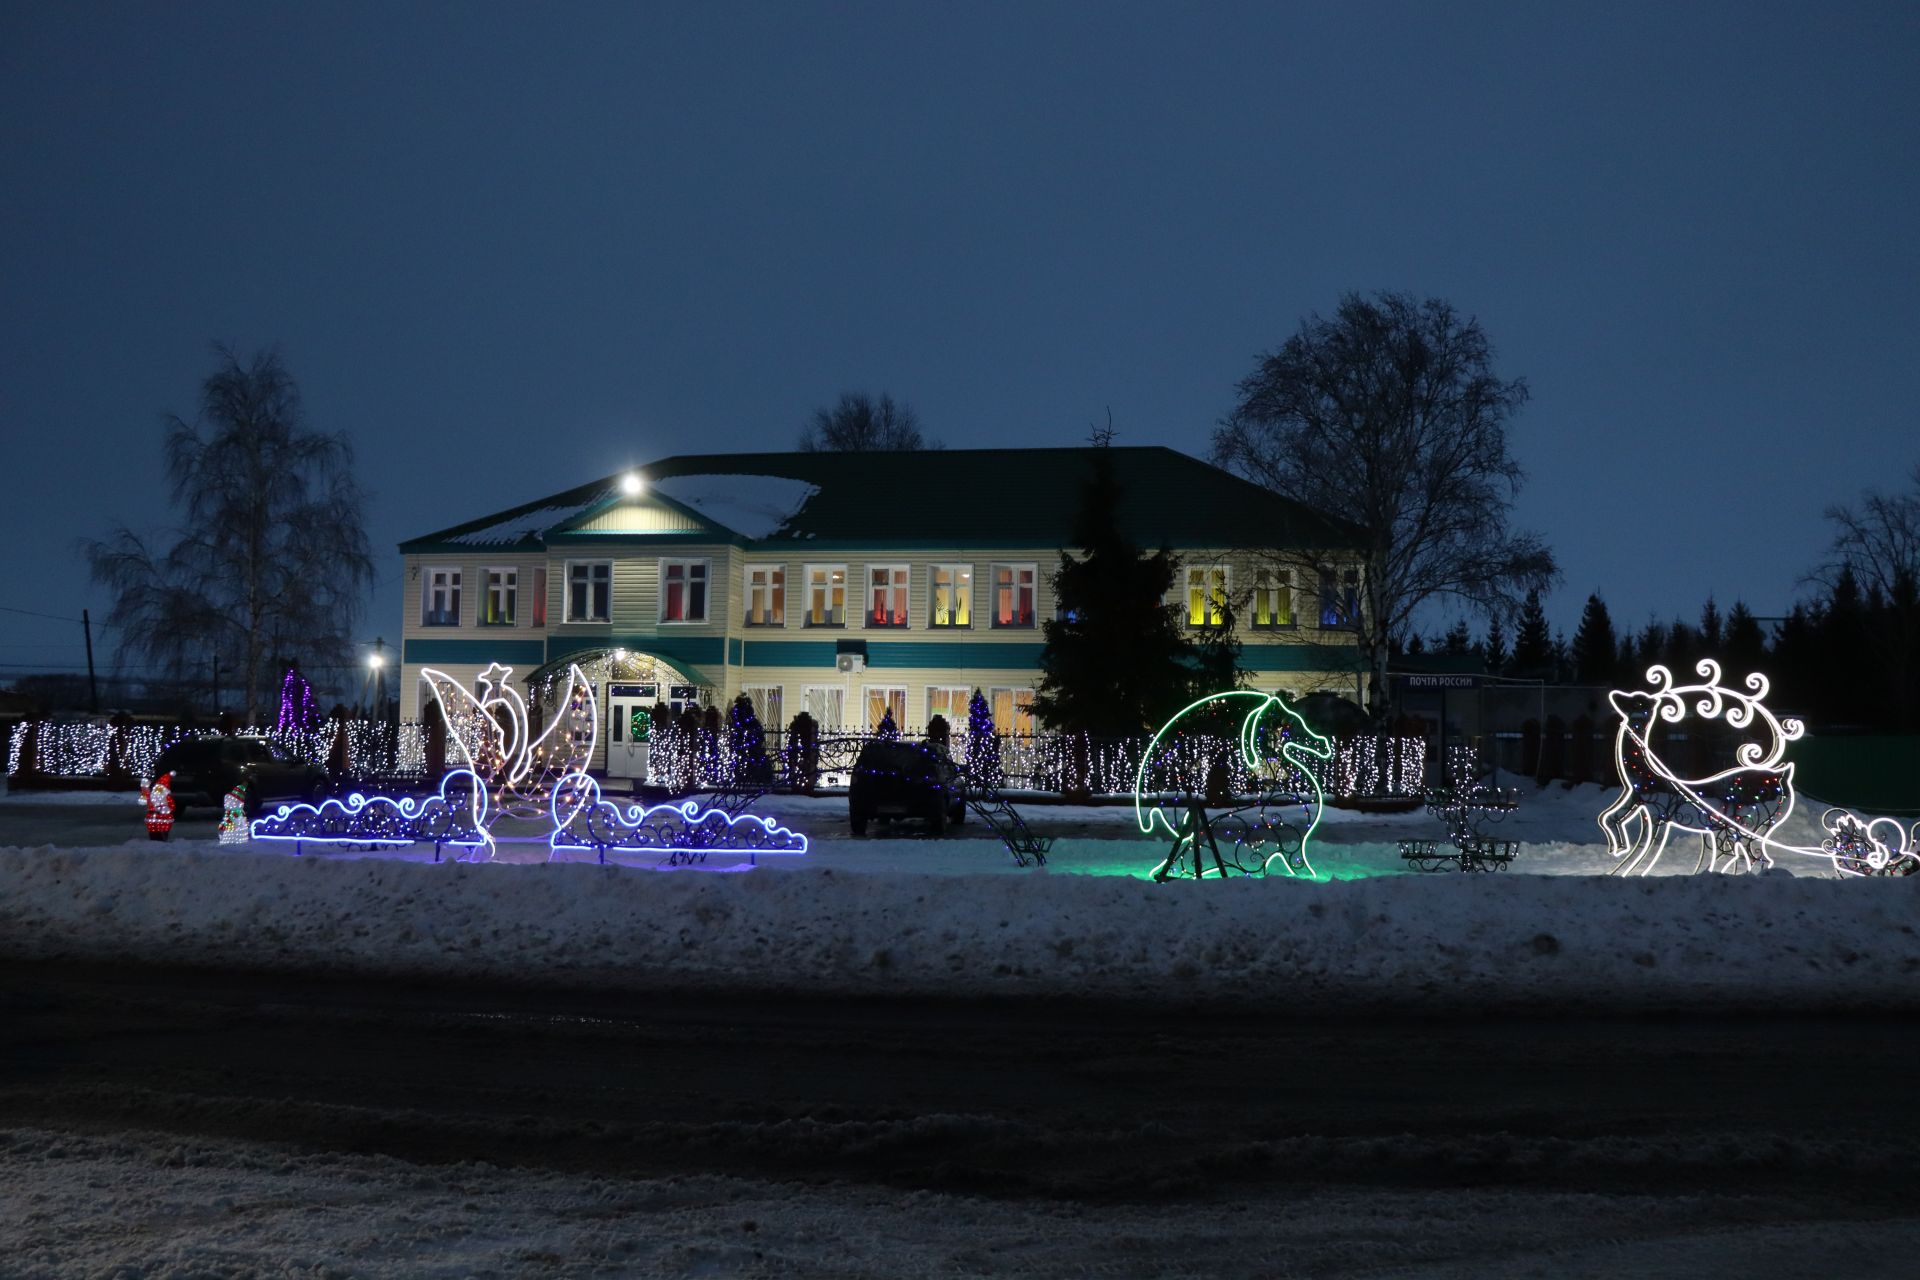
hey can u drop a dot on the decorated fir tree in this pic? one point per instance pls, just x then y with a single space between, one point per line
746 743
983 744
299 709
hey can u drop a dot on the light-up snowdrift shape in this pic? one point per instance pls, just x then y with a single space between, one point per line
687 836
455 817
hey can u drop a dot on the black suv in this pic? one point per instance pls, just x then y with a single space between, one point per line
905 780
205 769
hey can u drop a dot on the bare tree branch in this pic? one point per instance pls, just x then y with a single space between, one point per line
1389 415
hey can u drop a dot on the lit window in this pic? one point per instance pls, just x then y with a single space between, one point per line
683 591
886 595
1206 595
767 708
825 703
1339 598
826 595
883 701
1012 711
589 590
1273 598
1013 595
503 589
540 596
950 702
952 595
440 606
766 595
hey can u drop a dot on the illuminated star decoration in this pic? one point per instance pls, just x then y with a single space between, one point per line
1300 749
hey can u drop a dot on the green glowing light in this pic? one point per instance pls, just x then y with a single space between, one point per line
1296 750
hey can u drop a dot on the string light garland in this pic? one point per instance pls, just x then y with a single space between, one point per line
375 749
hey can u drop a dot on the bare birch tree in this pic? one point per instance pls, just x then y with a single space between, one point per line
1389 416
270 560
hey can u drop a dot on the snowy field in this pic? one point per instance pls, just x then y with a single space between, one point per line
957 917
152 1206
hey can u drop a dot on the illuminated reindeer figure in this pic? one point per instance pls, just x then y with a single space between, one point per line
1732 811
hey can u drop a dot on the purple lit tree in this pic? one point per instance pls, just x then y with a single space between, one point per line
299 709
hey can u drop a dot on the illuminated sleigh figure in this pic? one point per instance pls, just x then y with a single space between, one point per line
1732 811
1860 847
1257 835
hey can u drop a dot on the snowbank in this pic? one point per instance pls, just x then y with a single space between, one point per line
1432 941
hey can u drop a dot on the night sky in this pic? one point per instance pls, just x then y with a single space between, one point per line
511 249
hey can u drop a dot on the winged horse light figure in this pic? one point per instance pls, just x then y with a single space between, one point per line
524 774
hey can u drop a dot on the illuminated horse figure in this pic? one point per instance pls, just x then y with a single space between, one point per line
1257 835
1733 811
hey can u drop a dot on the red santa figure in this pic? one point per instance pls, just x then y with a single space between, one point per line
159 800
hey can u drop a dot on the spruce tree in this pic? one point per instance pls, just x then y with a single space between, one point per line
1458 640
1115 662
1493 651
1713 639
1596 650
1532 642
1653 647
1746 644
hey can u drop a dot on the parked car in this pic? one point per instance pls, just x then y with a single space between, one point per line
205 769
905 780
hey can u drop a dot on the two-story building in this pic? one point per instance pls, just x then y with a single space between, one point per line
853 584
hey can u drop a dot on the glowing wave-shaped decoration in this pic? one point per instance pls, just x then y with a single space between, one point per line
456 815
685 833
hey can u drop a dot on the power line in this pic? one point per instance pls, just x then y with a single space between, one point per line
56 617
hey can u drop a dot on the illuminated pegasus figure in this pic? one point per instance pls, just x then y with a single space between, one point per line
1261 840
491 735
1733 811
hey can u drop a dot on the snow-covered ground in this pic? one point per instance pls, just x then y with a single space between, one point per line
957 917
137 1205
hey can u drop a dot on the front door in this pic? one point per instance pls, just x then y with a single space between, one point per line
629 730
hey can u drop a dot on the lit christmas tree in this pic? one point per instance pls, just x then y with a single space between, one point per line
983 745
299 709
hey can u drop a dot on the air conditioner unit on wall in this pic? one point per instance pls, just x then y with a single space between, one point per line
850 662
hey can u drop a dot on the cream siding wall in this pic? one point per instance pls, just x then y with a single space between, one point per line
473 566
636 602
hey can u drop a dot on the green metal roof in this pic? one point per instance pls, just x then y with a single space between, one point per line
957 497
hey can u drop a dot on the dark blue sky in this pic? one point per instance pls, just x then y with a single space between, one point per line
509 249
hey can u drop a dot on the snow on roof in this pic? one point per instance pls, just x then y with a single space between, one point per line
528 524
752 506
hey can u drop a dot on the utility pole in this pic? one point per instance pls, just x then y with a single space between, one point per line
93 685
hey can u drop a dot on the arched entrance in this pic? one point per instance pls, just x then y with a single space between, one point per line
628 684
